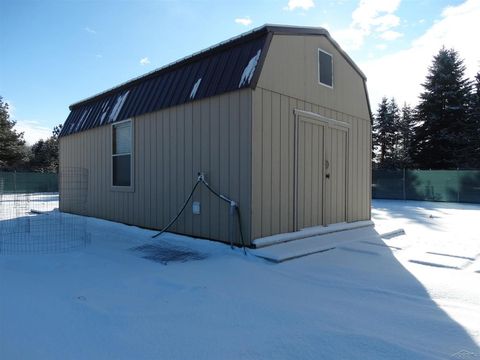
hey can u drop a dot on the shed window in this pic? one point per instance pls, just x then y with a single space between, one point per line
325 68
122 154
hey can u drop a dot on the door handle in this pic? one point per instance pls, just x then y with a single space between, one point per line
327 176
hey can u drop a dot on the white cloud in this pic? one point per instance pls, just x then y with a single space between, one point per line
349 38
32 131
144 61
244 21
299 4
390 35
385 22
381 46
400 74
369 11
369 16
90 30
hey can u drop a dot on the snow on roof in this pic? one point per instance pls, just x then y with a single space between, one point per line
104 111
195 88
118 106
85 114
249 70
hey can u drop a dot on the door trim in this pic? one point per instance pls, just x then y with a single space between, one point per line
315 118
313 121
346 131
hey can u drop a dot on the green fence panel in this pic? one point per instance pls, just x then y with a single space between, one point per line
469 186
431 185
28 182
387 184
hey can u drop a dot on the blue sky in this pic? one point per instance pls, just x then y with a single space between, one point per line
54 53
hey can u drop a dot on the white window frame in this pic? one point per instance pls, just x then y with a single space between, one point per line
318 68
131 187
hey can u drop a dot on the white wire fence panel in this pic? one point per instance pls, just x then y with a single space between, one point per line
44 233
32 223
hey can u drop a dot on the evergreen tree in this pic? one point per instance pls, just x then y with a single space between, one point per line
474 125
12 145
385 135
441 141
44 153
55 147
393 152
406 133
39 156
379 129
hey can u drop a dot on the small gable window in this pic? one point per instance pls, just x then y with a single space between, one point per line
325 68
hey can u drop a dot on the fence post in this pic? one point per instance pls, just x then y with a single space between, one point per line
458 186
404 190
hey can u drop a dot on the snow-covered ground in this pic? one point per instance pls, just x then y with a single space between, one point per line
32 223
418 297
17 205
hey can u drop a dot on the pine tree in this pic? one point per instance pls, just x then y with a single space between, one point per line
380 130
441 141
12 145
385 134
406 131
474 125
44 153
393 151
55 148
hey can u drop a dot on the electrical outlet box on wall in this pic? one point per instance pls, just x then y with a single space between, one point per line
196 207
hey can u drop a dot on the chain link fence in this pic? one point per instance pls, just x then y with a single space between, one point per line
430 185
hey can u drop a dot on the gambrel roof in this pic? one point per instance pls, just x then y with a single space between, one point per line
231 65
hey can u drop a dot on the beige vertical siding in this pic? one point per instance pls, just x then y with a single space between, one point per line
245 142
291 69
276 156
289 81
170 147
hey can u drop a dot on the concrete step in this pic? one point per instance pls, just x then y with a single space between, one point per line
292 249
309 232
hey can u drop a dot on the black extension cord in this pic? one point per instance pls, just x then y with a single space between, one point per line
201 179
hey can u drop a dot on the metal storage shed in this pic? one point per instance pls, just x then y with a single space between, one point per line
278 119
